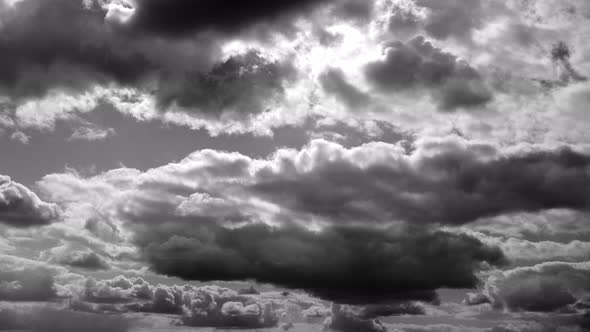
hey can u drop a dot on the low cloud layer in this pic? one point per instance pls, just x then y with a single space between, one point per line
545 287
326 263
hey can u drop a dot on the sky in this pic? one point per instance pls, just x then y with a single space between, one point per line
302 165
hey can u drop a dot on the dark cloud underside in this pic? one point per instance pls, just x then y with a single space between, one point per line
185 16
417 64
453 187
348 265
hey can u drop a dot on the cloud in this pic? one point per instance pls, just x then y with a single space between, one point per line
545 287
29 284
245 83
183 17
216 307
20 207
334 83
204 306
308 218
20 137
43 54
43 59
447 181
344 319
322 263
117 290
85 260
91 133
453 83
456 18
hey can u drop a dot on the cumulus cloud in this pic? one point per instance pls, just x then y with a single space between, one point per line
246 83
85 260
20 207
42 58
324 263
43 54
117 290
308 219
344 319
204 306
545 287
453 83
446 181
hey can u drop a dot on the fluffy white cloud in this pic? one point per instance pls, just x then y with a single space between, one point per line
20 207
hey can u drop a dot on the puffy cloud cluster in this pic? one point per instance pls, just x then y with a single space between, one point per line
246 83
98 55
447 181
344 319
418 64
546 287
118 290
215 306
204 306
309 219
20 207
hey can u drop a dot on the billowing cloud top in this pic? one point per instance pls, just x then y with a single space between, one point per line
20 207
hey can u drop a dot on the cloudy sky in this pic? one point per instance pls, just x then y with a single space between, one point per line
349 165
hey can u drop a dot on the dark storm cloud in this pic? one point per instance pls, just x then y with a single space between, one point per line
230 16
243 83
447 182
20 207
344 264
545 287
39 52
334 83
418 64
85 260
